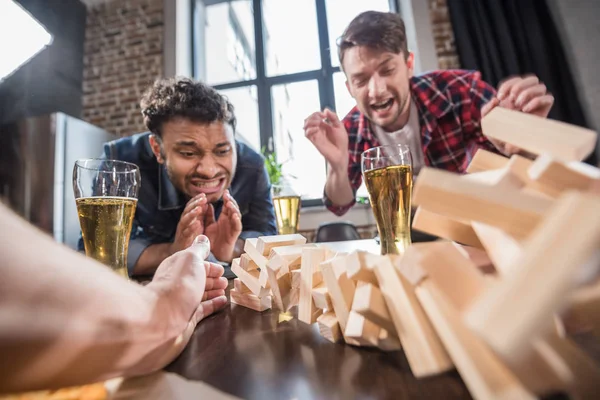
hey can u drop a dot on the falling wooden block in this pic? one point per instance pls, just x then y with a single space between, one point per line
500 179
370 303
423 348
484 160
445 265
254 254
251 301
360 264
445 227
280 282
448 194
539 135
266 243
263 278
249 278
240 287
340 288
484 374
321 297
500 246
361 330
246 263
295 290
557 177
478 257
388 341
329 327
516 310
291 254
310 276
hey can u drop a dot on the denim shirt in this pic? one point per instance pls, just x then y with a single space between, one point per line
160 204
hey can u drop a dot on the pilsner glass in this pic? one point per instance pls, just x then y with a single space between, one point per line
287 208
106 194
387 172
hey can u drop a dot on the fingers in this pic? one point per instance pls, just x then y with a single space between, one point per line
211 294
530 93
514 86
489 106
539 103
216 283
209 307
332 118
214 270
313 120
209 217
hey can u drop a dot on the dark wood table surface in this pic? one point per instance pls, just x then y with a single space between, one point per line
255 355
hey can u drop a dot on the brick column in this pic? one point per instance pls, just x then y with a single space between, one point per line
442 34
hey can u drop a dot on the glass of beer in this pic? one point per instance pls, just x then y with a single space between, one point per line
287 208
387 171
106 194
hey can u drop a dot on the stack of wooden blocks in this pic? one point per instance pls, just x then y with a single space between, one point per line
536 223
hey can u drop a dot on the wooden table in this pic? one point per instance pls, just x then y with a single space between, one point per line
253 355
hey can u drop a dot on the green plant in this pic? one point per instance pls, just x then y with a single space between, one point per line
274 169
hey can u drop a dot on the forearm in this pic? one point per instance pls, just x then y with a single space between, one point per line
338 188
66 319
151 258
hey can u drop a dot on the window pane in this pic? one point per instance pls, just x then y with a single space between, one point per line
226 51
291 36
341 12
343 101
292 103
245 104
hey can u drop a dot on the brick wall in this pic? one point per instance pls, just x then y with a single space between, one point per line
442 34
123 56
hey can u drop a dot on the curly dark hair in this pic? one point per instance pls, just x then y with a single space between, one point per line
377 30
182 97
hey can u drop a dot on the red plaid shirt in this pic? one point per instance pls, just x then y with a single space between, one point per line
449 104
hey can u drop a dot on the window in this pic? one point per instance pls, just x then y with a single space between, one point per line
276 61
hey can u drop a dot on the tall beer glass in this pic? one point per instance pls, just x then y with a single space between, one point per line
387 172
287 208
106 194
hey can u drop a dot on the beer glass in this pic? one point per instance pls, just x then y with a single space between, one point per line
287 208
387 172
106 194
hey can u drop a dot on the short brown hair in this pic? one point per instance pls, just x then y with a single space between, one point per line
377 30
179 97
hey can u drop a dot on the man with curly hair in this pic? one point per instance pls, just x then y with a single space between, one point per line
196 177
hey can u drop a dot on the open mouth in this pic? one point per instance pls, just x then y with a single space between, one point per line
211 186
383 105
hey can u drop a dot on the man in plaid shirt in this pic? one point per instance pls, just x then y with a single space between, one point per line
437 115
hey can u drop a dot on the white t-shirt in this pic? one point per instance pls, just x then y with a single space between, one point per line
409 135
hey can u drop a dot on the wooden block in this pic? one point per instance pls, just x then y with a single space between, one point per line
263 278
254 254
340 288
266 243
360 264
445 266
408 264
499 178
557 177
423 348
516 310
246 263
499 246
321 297
329 327
369 302
310 276
249 278
483 372
447 194
280 282
539 135
388 341
478 257
445 227
291 254
361 330
584 305
484 160
240 287
250 301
